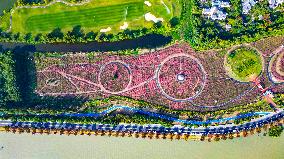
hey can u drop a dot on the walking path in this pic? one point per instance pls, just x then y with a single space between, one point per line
160 116
271 77
220 129
165 117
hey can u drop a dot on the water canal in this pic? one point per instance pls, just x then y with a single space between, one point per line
150 41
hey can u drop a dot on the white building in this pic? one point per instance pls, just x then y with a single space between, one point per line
247 5
275 3
228 27
215 12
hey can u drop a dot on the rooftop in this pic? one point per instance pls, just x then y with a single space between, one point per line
215 12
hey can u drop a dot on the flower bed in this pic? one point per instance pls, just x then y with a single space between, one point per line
268 45
53 83
152 77
181 78
219 89
276 68
115 76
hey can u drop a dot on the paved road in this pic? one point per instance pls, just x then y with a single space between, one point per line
166 117
221 129
161 116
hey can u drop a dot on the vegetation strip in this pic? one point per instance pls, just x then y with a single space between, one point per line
274 121
161 116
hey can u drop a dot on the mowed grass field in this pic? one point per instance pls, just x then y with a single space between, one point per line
244 63
93 16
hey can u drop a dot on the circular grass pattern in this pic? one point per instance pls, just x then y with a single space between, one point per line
243 64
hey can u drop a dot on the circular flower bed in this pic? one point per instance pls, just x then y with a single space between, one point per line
181 77
115 77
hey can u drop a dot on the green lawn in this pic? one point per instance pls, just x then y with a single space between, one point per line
93 16
244 63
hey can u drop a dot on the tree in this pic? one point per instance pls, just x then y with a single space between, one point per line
8 89
102 37
90 36
55 34
77 32
31 1
158 24
28 37
39 38
174 22
16 36
275 131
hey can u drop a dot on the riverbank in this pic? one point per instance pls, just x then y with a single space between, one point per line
28 146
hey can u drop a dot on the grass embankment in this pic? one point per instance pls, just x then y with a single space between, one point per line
244 63
92 16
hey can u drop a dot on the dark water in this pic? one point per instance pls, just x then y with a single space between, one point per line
151 41
6 5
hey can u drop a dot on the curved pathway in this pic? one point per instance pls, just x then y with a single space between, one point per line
221 129
166 117
272 59
159 116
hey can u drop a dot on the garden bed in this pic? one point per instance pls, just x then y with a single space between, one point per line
175 77
276 68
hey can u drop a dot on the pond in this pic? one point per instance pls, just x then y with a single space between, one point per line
5 5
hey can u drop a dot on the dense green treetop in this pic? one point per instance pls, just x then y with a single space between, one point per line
8 90
275 131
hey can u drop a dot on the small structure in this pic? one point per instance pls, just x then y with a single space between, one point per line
148 3
219 3
105 30
275 3
268 93
180 77
124 26
151 17
228 27
247 5
215 12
